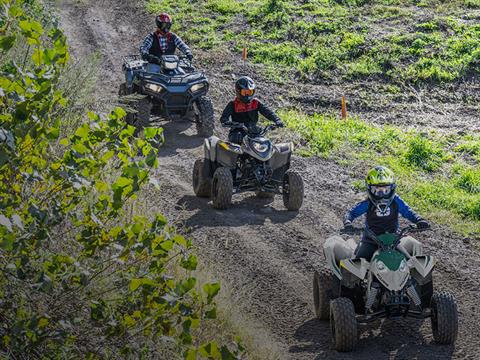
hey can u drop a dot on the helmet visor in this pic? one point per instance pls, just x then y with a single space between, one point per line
381 190
165 26
247 92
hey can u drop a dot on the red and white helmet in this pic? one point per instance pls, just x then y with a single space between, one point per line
164 22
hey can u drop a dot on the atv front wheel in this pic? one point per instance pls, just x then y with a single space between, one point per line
202 181
222 188
143 108
444 318
343 324
205 117
292 190
326 287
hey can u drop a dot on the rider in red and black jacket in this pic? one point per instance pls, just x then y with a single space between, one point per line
163 41
244 109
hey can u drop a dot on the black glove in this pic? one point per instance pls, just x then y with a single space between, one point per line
153 59
348 227
423 224
279 124
190 57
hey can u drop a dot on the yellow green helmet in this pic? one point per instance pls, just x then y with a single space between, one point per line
381 185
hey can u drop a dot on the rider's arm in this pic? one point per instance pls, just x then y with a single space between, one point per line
181 45
356 211
146 45
227 113
406 211
268 113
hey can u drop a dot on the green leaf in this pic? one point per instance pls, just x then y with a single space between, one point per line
6 42
64 142
211 314
83 131
190 354
210 350
119 112
211 290
190 263
185 286
135 283
151 159
226 354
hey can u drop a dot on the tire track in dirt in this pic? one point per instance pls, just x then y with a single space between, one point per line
263 251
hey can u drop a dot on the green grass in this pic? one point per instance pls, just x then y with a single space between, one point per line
393 40
436 173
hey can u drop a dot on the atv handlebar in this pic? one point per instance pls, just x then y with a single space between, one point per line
249 130
399 235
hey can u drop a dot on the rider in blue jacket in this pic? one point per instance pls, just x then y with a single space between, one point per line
381 210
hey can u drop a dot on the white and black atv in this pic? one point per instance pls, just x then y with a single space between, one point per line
174 90
396 283
255 165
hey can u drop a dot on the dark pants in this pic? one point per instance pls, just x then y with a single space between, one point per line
365 250
236 136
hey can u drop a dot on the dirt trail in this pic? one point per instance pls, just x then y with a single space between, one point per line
258 247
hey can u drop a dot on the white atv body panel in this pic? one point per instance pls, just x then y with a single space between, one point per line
210 147
336 249
423 264
358 267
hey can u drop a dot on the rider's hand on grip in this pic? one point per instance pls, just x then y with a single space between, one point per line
423 224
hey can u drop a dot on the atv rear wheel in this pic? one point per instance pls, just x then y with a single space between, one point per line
292 190
343 324
326 287
444 318
202 181
205 118
222 188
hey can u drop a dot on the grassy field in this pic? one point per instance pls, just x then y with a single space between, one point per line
397 41
438 174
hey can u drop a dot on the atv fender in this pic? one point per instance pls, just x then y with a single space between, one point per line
422 263
336 249
210 147
357 267
281 155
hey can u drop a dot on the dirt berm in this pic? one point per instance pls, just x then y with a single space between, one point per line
262 251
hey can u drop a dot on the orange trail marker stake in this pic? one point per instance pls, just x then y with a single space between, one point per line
244 56
344 108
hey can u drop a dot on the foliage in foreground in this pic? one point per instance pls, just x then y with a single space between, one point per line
438 174
79 276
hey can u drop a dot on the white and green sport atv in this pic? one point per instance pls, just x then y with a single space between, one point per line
396 283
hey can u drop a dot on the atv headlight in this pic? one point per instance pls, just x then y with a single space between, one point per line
403 266
170 65
154 87
197 87
260 147
381 266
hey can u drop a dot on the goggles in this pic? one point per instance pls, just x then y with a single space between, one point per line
381 190
247 92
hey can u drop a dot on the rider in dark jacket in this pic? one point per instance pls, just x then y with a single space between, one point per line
162 41
382 210
244 109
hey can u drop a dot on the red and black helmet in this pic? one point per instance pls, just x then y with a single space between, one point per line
164 22
245 89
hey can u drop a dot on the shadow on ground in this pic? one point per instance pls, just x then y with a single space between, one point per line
400 339
249 210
